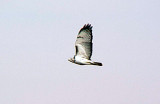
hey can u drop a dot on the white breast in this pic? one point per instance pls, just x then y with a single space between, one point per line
81 60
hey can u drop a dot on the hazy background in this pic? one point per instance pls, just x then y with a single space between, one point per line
37 37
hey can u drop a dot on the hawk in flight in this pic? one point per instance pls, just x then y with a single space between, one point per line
83 47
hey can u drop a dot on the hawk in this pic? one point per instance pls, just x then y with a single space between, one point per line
83 46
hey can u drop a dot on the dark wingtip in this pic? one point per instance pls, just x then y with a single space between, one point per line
86 27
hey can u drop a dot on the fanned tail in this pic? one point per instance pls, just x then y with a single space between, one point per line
97 63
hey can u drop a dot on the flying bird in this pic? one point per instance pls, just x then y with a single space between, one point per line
83 46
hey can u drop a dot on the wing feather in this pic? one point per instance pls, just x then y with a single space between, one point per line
84 42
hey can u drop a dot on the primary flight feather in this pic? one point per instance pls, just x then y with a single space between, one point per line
83 47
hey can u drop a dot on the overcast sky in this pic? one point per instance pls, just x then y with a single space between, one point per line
37 37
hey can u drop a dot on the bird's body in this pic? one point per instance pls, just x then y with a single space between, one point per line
81 60
83 47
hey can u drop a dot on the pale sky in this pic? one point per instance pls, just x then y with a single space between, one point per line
37 37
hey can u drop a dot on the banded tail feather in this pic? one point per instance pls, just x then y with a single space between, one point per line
97 63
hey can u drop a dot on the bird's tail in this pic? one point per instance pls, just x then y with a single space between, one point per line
97 63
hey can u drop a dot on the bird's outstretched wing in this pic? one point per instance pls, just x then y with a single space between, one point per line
84 42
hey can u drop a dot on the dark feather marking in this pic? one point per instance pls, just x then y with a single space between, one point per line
86 27
76 50
79 37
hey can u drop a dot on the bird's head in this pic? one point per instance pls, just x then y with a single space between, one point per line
71 60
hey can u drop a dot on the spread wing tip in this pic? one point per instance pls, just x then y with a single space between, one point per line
86 27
